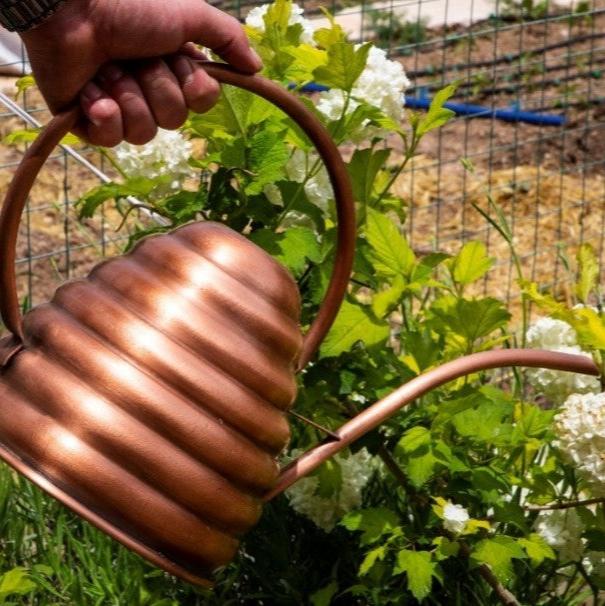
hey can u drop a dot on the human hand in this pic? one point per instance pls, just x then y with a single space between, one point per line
130 63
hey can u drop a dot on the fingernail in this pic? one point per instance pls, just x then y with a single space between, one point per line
183 69
111 73
91 93
257 59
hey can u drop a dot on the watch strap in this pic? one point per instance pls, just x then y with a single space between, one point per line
22 15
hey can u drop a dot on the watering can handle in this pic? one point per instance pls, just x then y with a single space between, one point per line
40 150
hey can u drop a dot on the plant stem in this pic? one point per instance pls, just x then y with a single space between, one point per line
565 505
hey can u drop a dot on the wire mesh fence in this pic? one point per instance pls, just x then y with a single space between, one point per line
529 133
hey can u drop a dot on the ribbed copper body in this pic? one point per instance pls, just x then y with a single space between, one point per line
153 392
151 396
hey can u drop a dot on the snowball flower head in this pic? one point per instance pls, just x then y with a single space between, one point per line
580 430
455 517
256 19
325 512
557 385
381 84
562 530
167 154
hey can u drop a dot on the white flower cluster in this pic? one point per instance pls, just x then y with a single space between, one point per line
167 154
562 530
557 385
580 429
381 84
325 512
455 517
256 20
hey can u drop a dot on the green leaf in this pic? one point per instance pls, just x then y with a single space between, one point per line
437 115
136 186
293 247
375 555
537 549
324 596
588 324
413 439
184 206
374 523
363 168
384 301
330 479
354 323
326 37
24 83
486 423
267 159
445 548
391 254
421 466
498 553
420 570
16 581
471 263
307 59
29 135
588 266
345 64
470 318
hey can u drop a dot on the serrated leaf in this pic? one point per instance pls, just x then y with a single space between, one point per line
293 247
267 160
373 556
344 66
445 548
307 59
373 522
391 255
16 582
354 323
419 568
29 135
384 301
437 115
420 466
471 263
498 553
470 318
363 167
473 526
588 269
136 186
537 549
326 37
413 439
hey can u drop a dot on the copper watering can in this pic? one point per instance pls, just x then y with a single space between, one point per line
151 397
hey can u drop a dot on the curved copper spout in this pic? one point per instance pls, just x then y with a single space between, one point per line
378 413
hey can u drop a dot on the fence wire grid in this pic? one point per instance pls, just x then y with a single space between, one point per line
505 55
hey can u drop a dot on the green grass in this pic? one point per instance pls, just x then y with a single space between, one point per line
67 561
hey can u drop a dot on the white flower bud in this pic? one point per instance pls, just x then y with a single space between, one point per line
455 517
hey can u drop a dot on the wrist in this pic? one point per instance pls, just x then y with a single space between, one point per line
59 29
24 15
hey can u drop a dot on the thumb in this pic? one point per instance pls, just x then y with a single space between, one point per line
222 34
